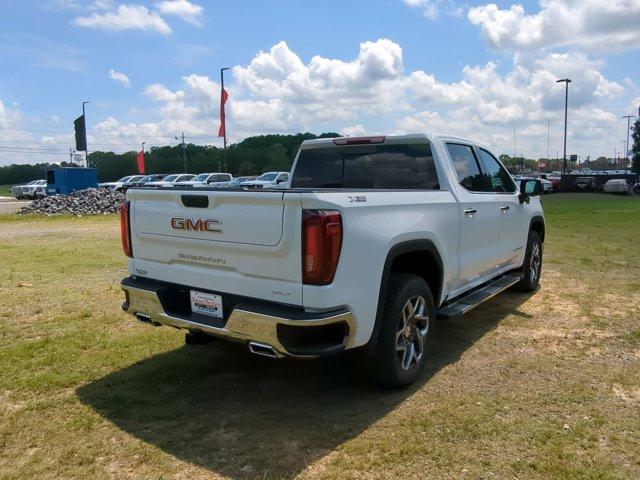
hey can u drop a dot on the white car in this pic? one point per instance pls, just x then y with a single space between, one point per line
29 190
616 185
268 180
374 239
118 184
171 180
206 179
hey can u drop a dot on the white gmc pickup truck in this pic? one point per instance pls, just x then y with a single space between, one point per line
369 242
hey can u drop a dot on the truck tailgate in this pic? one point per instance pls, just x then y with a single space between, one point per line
240 242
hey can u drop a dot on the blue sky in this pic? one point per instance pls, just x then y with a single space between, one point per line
478 69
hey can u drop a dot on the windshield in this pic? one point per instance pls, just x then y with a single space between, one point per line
202 177
184 178
124 179
170 178
267 177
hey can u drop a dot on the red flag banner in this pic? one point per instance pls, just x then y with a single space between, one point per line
224 96
140 160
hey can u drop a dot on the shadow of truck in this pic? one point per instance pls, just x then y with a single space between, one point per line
245 416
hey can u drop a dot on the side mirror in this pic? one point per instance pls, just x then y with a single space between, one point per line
529 188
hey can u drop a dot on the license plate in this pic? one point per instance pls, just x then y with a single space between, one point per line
206 304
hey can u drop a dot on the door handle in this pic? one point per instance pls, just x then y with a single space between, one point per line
504 208
470 212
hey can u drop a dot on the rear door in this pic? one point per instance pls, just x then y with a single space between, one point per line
478 245
240 242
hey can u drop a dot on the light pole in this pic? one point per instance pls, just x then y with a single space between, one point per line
86 151
566 81
626 149
184 151
223 119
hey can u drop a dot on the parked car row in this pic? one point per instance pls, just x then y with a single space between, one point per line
188 180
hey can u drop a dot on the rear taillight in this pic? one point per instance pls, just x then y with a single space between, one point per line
321 244
125 230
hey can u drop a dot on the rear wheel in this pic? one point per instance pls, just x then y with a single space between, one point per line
400 354
532 264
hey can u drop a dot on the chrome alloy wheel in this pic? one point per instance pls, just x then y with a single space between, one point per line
412 329
535 262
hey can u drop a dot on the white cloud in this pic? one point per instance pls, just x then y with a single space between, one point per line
126 17
353 131
119 77
431 9
596 25
187 11
278 92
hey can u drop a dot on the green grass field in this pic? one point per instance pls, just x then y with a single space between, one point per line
4 190
525 386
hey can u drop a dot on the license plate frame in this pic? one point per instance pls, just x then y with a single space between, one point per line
208 304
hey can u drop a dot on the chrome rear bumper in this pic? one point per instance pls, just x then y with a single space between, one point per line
246 323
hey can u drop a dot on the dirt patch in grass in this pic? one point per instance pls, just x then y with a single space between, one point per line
525 386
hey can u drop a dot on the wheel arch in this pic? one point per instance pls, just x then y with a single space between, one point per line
402 257
537 225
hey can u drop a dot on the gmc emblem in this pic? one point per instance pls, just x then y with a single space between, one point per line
199 225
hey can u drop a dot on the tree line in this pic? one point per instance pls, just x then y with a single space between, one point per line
252 156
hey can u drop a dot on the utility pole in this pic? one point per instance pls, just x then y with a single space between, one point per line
626 150
223 119
184 151
566 81
548 125
70 155
86 152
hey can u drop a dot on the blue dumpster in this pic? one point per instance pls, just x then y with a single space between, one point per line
66 180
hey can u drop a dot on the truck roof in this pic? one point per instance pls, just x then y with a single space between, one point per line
410 137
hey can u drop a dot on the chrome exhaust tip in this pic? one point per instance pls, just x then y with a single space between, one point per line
263 349
143 317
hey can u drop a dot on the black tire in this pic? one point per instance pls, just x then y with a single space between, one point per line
388 369
197 338
531 270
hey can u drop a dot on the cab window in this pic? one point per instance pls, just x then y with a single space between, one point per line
497 177
467 167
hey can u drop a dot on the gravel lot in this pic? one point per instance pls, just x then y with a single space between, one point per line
7 207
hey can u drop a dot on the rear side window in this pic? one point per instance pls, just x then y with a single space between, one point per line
467 167
499 179
367 167
220 178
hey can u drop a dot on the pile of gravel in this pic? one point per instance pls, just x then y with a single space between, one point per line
91 201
